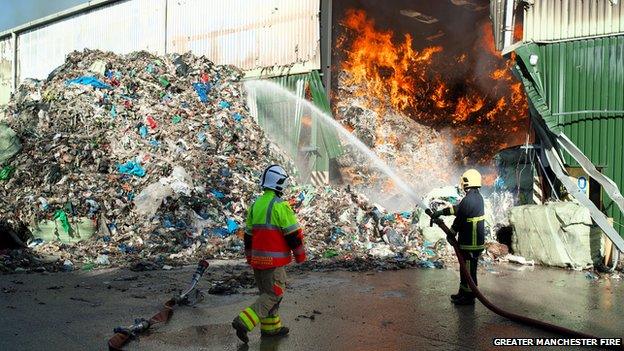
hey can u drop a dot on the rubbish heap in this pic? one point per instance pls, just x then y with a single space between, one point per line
421 154
354 227
155 157
148 161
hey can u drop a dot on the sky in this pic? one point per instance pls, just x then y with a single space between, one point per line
16 12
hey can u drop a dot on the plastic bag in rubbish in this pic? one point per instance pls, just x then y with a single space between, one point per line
202 90
62 217
180 181
151 122
143 131
131 168
149 200
9 143
87 80
232 226
5 172
98 67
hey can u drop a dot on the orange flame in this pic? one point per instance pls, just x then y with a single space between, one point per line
381 67
486 112
501 73
489 178
438 96
518 31
488 39
465 106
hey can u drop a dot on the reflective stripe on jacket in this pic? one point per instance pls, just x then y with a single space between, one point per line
470 221
269 219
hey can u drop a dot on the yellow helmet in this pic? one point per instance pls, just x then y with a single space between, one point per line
470 179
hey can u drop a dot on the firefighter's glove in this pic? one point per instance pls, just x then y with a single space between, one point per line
300 255
437 214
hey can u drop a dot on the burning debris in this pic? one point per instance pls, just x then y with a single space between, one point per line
407 146
471 93
438 35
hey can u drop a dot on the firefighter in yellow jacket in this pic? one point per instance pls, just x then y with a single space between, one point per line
272 237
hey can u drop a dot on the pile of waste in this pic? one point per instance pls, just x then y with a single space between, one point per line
149 161
142 156
345 224
421 155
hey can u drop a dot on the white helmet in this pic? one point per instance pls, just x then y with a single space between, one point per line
274 177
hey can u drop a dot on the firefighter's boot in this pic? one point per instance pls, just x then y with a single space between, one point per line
458 295
244 323
467 298
272 326
283 331
241 330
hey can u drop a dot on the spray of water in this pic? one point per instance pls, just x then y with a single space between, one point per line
267 88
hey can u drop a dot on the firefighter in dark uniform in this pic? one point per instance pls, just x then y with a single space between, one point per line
469 223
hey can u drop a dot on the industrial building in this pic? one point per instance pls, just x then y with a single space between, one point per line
570 63
136 137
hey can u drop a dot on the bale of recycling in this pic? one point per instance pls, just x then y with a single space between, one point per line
554 234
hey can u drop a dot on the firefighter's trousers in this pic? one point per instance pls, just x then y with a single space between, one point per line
471 259
264 311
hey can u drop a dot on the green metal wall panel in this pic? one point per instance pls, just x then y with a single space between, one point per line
279 117
583 97
283 120
330 137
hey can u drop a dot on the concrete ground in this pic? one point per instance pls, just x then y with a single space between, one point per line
393 310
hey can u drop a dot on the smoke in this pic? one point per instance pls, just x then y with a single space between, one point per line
457 82
15 13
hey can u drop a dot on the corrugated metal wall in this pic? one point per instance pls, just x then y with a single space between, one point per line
284 120
547 20
122 28
248 34
583 82
497 15
252 34
6 69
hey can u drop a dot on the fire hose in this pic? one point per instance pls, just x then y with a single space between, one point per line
124 334
499 311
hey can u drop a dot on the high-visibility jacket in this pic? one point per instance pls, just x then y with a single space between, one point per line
469 222
272 232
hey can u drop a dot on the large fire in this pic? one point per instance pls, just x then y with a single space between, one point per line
484 111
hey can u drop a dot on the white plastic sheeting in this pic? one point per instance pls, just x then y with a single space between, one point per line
555 234
6 69
122 27
250 34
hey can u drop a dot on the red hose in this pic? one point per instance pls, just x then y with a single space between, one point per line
511 316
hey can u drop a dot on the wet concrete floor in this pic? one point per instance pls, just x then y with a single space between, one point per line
396 310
